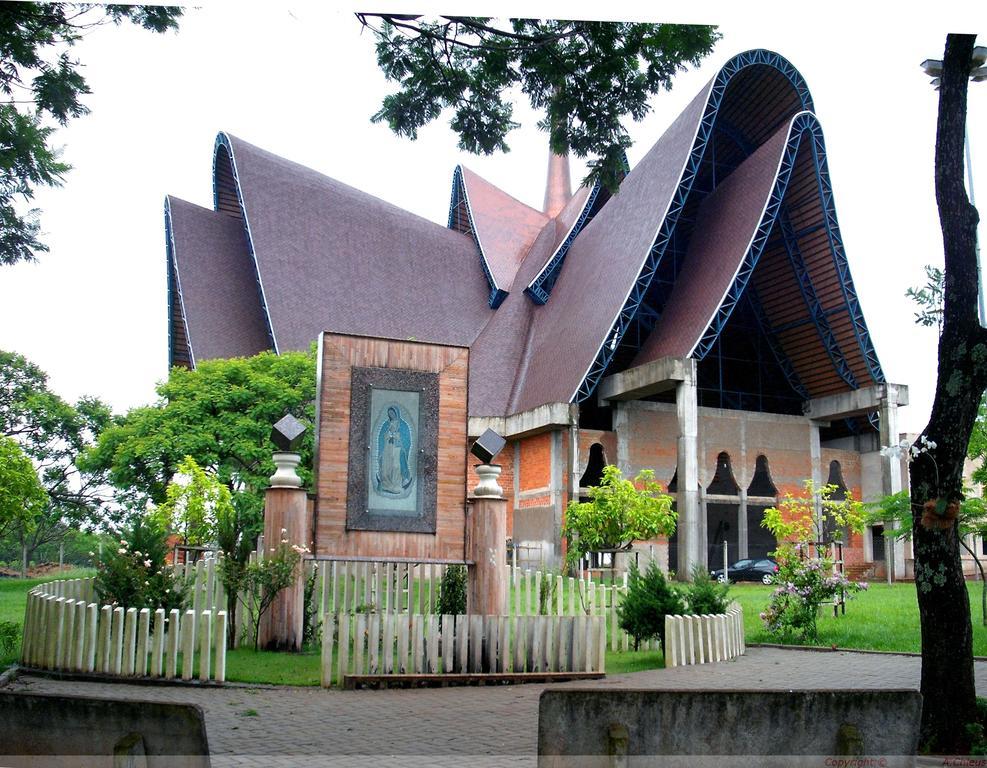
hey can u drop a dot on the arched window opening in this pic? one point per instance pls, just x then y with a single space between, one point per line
761 494
723 514
594 468
830 531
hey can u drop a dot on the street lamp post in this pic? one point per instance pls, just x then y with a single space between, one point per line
978 73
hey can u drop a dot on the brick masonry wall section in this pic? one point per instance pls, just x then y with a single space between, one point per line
341 353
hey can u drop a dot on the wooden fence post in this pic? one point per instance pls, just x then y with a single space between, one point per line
188 643
220 675
205 644
143 635
174 633
328 628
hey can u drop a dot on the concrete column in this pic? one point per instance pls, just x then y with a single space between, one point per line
286 517
487 593
891 471
742 534
691 547
815 455
557 490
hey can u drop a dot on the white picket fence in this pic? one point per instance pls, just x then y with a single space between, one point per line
344 586
704 639
419 644
65 631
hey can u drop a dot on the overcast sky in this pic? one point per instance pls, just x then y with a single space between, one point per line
301 80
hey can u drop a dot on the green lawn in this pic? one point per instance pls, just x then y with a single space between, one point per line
13 598
884 618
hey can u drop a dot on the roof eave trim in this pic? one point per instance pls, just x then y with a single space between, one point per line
497 294
175 289
223 140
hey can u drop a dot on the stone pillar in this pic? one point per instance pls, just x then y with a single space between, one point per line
891 471
285 518
487 595
691 549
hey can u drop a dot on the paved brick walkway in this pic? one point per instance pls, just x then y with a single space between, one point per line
482 726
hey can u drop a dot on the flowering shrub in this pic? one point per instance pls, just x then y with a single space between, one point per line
803 586
134 574
805 579
264 579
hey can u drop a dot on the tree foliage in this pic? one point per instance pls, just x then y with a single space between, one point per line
195 502
41 87
618 513
221 415
584 76
53 434
21 495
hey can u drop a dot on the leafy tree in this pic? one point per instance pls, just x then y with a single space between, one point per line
21 495
41 86
618 513
221 415
195 502
648 600
584 75
53 434
948 690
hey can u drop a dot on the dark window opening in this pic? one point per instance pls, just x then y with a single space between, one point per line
761 484
723 483
594 469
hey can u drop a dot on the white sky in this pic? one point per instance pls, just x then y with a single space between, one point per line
300 80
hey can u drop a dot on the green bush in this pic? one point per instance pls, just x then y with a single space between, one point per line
705 595
452 591
10 635
648 600
134 574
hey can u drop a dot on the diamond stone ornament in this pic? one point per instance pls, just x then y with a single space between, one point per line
287 433
487 445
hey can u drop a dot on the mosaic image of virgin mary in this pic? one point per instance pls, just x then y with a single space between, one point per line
394 441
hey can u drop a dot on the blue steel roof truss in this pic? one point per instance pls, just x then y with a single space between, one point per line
774 345
628 313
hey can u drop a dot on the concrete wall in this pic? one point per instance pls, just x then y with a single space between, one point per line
600 727
86 732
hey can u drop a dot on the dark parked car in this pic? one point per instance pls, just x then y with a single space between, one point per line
762 570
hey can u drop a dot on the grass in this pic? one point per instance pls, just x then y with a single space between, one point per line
884 618
13 599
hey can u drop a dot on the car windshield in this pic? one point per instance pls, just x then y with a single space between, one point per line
742 564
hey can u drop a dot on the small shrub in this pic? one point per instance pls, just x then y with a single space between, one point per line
312 621
10 635
649 599
705 595
546 593
134 574
452 591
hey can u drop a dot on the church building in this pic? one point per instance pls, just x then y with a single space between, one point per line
701 322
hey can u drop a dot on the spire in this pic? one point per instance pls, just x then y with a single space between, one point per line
558 188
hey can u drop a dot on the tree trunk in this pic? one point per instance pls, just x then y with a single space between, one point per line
948 691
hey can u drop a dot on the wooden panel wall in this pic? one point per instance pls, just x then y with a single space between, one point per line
340 353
